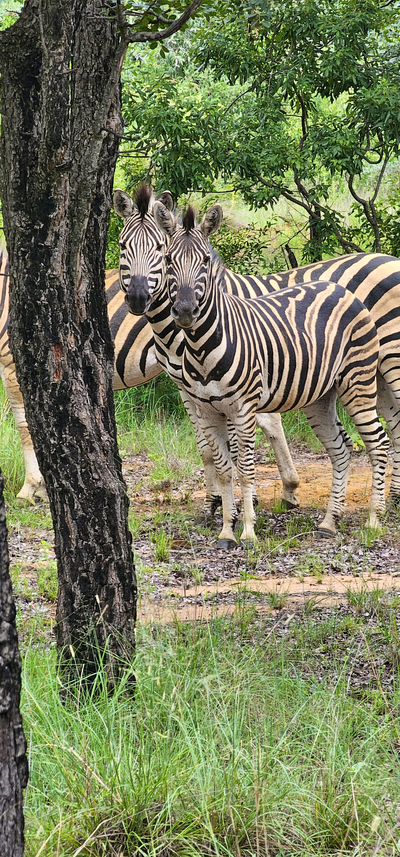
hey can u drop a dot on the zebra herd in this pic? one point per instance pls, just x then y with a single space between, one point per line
235 349
244 349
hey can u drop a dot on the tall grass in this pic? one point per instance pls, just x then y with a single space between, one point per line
230 747
11 456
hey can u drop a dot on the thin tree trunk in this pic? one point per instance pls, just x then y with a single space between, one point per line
13 761
61 121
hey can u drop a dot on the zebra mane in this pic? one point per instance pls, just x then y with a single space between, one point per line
218 269
143 195
189 219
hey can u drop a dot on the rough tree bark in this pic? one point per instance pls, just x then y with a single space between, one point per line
60 66
13 760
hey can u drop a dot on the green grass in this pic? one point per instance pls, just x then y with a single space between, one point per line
234 745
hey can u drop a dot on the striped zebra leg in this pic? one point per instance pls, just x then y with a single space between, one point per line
388 407
213 490
271 426
323 420
363 412
233 449
214 426
246 431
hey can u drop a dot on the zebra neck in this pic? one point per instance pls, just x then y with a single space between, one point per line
169 339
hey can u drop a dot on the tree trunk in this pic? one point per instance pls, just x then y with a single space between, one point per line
13 761
60 127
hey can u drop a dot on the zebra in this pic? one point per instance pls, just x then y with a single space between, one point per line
300 347
374 278
142 266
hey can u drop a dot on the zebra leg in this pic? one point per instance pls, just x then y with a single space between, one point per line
233 448
33 487
376 442
271 425
323 419
214 426
213 491
246 432
389 408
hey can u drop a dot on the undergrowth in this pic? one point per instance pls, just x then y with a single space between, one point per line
232 746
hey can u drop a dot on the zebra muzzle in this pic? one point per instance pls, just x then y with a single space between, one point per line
138 296
184 315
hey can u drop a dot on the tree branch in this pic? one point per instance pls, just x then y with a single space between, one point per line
169 31
349 246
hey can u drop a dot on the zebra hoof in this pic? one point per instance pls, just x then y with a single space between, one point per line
248 544
322 533
226 544
287 504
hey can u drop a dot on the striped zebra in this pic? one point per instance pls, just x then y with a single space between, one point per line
142 267
300 347
374 278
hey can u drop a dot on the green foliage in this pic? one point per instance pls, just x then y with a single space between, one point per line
9 10
162 545
280 100
173 121
242 250
159 397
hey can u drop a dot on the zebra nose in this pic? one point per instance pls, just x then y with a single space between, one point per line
185 309
184 313
138 295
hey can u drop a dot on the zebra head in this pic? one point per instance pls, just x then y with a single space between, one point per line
188 260
141 263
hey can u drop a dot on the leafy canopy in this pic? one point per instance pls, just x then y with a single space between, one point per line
279 99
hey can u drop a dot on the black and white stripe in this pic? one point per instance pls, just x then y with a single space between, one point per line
297 348
372 277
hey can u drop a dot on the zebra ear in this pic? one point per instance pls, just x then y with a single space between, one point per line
167 199
122 203
165 220
212 220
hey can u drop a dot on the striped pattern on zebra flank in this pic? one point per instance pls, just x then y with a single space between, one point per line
135 360
299 347
374 278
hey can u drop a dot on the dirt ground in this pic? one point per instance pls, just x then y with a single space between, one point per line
289 568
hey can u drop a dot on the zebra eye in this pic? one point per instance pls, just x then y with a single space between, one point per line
206 259
168 259
159 247
122 245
